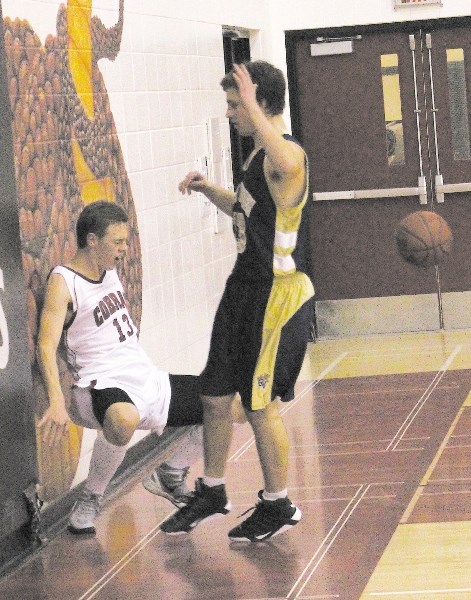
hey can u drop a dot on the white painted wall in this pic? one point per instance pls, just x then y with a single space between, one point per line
305 14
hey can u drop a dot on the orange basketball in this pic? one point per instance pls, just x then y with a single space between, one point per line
424 238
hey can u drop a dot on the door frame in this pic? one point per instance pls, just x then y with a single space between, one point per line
292 39
293 36
236 44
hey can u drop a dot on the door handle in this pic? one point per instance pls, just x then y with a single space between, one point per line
420 191
439 191
417 109
449 188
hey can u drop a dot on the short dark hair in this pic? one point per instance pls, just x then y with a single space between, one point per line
96 218
271 84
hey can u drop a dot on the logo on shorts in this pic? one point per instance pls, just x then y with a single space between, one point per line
262 381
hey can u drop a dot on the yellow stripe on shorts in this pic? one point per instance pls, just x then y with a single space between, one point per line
287 295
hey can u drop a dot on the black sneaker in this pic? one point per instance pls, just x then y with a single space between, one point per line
269 519
207 502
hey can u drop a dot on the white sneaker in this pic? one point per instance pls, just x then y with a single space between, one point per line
169 483
84 513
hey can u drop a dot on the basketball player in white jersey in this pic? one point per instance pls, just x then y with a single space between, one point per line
117 388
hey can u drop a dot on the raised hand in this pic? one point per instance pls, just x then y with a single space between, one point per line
247 88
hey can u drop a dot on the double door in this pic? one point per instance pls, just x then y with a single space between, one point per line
384 115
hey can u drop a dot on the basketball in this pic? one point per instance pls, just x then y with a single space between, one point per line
424 238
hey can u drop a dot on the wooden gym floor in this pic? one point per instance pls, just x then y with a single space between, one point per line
380 465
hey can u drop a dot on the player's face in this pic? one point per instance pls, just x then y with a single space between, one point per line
112 246
237 114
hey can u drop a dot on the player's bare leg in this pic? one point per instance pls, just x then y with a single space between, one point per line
217 433
274 512
272 446
210 499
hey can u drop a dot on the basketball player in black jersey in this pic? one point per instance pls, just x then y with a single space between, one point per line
262 324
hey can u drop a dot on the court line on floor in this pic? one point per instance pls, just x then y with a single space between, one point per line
326 543
423 399
251 441
425 479
398 437
117 567
421 592
420 489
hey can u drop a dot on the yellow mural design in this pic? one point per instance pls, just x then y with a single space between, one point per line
91 188
67 154
79 14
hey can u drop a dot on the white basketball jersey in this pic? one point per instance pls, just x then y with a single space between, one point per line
103 350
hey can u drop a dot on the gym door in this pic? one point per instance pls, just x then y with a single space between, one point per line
447 57
382 116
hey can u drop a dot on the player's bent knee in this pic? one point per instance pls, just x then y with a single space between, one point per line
121 421
117 438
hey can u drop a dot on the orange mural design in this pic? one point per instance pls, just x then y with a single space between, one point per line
67 154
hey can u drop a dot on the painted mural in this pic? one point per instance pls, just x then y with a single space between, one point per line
67 154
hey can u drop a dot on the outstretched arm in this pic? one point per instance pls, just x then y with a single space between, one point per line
55 420
220 197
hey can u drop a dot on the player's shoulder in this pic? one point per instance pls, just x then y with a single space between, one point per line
57 275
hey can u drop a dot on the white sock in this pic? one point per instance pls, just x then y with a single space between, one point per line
188 450
214 481
271 496
105 460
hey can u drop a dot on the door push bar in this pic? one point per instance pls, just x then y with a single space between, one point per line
449 188
420 191
326 40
